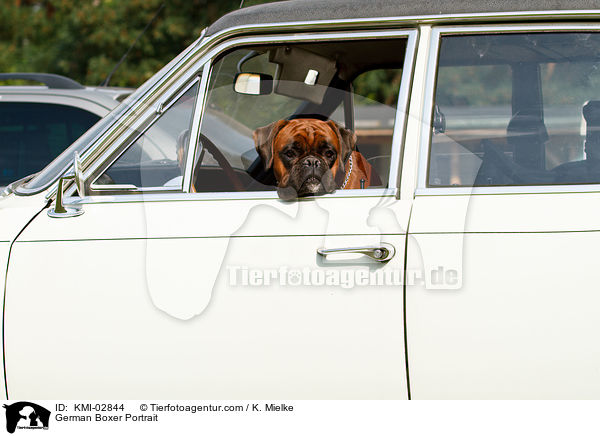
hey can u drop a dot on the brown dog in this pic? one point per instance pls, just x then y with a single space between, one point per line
312 157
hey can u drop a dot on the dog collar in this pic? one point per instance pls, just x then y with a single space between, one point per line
347 174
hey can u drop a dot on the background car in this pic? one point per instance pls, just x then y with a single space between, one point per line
38 122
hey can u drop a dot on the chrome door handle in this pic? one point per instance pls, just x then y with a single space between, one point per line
381 253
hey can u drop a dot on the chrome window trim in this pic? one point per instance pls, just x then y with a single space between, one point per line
138 196
415 110
412 20
195 129
149 119
208 57
399 133
424 147
508 190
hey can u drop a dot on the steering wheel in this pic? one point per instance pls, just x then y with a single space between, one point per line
223 163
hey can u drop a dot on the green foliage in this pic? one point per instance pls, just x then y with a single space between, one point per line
487 85
568 83
378 86
85 39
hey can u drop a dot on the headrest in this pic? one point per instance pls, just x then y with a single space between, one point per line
591 113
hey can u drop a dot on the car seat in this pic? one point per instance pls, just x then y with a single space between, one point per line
588 169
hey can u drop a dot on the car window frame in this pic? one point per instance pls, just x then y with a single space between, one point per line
203 67
150 119
437 33
400 118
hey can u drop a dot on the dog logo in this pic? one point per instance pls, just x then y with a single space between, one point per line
26 415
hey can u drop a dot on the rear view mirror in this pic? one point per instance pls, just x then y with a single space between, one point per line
439 120
253 84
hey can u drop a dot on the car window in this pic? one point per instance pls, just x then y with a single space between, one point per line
354 83
375 95
32 134
516 109
157 157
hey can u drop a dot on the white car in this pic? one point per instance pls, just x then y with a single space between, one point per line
162 262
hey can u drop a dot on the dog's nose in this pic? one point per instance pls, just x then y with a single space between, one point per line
312 162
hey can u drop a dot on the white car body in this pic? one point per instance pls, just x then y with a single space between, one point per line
143 295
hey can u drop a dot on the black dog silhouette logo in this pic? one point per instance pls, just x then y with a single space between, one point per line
26 415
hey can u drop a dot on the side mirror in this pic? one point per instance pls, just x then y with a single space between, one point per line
253 84
439 120
60 210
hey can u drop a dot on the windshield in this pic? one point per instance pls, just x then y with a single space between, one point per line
51 172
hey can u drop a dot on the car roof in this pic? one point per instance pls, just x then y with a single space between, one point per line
60 86
99 102
322 10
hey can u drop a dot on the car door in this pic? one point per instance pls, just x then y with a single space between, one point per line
155 290
507 205
16 213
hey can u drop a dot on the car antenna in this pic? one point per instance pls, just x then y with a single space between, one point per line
241 4
107 80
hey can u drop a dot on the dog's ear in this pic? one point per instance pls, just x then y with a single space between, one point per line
347 139
263 141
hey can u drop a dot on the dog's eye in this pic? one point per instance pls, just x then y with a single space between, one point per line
329 153
290 153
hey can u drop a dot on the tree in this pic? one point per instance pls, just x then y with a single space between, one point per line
85 39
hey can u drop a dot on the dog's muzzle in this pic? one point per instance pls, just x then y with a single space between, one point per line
310 176
312 172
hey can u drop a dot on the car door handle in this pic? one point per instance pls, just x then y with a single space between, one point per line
381 253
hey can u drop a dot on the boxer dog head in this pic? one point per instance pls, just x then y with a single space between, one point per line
307 155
